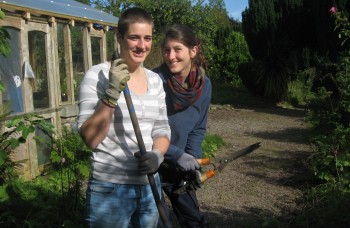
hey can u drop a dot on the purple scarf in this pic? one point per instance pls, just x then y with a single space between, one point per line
185 94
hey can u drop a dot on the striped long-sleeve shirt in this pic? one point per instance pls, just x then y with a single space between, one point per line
113 159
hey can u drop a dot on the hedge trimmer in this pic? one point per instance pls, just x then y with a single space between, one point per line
193 180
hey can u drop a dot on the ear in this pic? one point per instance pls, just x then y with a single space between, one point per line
119 37
193 52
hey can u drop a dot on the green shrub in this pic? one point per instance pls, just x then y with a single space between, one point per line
330 117
17 131
70 158
211 144
298 93
326 205
37 203
53 200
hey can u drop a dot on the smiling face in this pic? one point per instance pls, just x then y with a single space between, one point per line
136 43
178 57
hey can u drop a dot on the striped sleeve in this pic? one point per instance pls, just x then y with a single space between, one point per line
91 90
161 125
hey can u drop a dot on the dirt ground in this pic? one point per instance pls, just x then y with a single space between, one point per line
262 188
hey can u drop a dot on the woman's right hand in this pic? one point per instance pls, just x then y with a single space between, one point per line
187 162
118 77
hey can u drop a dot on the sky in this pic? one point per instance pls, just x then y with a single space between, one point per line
235 8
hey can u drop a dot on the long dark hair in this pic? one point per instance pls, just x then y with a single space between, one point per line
186 36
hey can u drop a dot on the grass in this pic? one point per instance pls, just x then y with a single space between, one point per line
38 203
211 144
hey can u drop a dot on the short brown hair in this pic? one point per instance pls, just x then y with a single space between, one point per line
131 16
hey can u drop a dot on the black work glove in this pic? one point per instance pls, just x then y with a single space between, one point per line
192 182
197 183
149 162
187 162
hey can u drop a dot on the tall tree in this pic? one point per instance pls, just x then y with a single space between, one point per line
270 39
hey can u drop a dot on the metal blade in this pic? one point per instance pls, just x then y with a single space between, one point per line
242 152
223 162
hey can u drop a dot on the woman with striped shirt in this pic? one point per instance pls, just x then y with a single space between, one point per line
118 193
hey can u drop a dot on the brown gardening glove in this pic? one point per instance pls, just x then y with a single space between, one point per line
118 77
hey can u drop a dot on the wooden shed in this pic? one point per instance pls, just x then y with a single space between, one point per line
53 43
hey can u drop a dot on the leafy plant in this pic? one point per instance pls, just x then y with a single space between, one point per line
53 200
17 131
331 163
342 25
272 75
232 52
324 206
37 203
331 117
70 157
211 144
5 48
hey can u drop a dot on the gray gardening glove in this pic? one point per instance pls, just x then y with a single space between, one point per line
150 161
187 162
118 77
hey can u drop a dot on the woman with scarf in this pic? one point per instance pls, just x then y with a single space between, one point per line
188 95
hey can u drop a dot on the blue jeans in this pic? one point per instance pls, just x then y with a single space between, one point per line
121 205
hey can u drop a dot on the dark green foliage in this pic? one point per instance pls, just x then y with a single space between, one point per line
295 34
17 132
331 119
324 206
259 23
321 36
70 158
54 200
272 76
5 48
327 203
269 76
221 36
38 204
2 87
208 19
270 28
203 19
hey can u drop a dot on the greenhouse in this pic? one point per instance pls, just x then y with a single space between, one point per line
53 43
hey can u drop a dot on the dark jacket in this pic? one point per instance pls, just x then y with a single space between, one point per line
188 127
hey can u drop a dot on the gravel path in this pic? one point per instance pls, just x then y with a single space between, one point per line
262 188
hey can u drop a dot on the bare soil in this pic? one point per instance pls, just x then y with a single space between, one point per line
262 188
